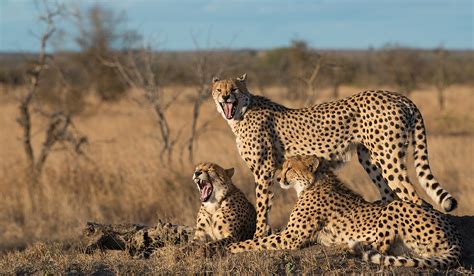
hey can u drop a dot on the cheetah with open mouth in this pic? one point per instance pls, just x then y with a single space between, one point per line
225 215
378 124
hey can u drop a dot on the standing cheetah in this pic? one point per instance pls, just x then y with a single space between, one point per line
330 213
377 123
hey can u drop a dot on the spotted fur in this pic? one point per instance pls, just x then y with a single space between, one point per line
378 124
331 214
225 215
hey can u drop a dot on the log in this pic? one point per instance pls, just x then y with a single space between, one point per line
138 239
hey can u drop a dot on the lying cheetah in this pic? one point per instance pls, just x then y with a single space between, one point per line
330 213
225 216
377 123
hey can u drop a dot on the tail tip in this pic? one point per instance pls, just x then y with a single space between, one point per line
449 204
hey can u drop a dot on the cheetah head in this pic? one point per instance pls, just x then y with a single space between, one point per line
213 182
298 172
231 96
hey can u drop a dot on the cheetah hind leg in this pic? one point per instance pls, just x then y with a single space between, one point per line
375 174
359 247
439 262
393 168
377 254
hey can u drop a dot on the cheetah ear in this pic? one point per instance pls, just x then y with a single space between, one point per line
242 78
215 79
313 163
229 172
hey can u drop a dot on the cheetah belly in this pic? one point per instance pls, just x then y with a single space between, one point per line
345 229
338 152
333 234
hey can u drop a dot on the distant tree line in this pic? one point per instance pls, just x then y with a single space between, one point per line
300 69
392 65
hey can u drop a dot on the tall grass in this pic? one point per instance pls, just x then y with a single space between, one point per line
122 180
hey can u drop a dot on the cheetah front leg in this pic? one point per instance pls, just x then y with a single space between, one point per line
217 247
202 222
263 198
263 170
263 154
273 242
375 174
302 227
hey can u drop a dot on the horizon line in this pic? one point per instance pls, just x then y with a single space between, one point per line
231 49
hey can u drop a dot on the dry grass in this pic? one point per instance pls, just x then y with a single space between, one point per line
67 258
127 183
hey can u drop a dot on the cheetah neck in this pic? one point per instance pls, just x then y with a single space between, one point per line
299 188
257 104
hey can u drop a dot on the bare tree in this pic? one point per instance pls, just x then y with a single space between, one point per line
102 31
201 93
310 81
120 59
60 128
299 61
204 69
337 72
138 68
402 66
441 78
302 66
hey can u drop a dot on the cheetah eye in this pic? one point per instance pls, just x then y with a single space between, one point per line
233 90
218 90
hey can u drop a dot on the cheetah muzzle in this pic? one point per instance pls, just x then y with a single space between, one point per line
205 189
229 109
204 185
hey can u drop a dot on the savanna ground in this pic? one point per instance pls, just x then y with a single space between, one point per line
123 180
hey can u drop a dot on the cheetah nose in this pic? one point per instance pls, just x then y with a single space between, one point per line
225 98
197 173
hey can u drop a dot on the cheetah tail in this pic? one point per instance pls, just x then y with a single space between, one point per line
423 171
443 261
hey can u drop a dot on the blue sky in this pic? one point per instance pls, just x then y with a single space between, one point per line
344 24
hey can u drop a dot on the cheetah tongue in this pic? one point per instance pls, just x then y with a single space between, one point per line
206 192
228 110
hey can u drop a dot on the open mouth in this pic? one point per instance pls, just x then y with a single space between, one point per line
205 189
229 109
